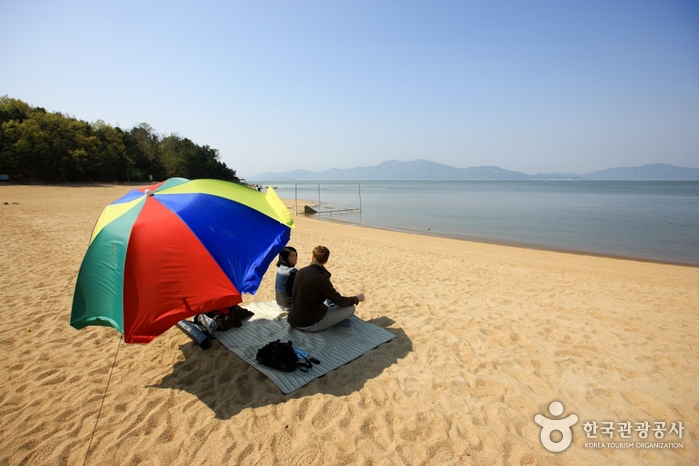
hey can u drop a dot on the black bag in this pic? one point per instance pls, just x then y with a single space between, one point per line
278 355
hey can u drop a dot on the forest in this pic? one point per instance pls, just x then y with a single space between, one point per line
49 147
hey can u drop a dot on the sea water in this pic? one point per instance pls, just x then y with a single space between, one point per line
649 220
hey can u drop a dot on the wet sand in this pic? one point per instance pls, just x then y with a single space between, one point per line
488 337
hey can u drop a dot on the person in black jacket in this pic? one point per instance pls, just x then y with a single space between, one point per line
311 288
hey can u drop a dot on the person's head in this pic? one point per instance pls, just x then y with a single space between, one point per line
287 256
321 254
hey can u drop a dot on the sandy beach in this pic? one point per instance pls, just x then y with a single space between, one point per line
487 337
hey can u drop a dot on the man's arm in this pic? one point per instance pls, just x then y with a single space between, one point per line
328 291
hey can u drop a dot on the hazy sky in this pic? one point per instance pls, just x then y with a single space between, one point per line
532 86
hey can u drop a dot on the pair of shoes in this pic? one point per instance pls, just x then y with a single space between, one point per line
237 314
344 323
241 311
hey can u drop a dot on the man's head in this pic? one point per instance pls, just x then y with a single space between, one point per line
321 254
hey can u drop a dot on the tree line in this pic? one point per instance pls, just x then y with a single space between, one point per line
36 145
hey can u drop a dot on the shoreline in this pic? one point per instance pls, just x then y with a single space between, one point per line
290 204
652 221
533 247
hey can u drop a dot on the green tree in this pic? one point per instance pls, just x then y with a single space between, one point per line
39 146
173 158
110 165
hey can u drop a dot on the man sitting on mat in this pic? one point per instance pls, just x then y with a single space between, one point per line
311 288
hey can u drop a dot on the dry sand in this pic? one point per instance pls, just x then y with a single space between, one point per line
488 336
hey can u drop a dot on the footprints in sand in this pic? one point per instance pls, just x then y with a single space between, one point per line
485 339
52 377
423 426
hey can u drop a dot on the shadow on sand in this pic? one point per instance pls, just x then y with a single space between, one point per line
227 384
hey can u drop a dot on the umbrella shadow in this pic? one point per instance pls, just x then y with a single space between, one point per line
227 384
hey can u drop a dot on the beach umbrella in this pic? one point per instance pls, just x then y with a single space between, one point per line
169 251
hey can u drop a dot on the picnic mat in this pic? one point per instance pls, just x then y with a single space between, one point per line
333 347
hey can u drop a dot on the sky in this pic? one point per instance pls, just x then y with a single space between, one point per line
531 86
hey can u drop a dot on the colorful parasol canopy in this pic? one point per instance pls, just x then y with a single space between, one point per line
179 248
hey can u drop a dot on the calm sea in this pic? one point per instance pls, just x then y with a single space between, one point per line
652 220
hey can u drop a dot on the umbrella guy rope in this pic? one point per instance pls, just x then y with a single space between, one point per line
89 446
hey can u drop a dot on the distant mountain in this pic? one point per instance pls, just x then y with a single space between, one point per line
654 171
414 170
425 170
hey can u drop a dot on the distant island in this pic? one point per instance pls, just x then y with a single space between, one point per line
425 170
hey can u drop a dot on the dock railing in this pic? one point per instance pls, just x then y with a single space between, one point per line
328 207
